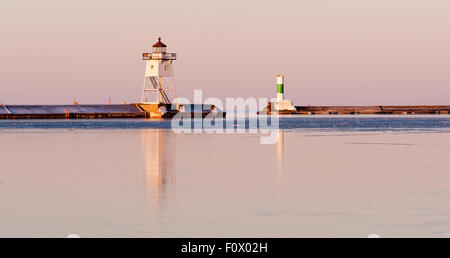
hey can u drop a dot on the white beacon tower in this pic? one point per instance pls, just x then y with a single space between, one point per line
159 81
282 104
280 87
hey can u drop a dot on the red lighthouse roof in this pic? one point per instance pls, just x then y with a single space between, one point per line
159 43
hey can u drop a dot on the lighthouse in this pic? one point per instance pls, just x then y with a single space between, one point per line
159 81
280 88
282 105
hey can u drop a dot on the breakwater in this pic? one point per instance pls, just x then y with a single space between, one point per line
103 111
363 110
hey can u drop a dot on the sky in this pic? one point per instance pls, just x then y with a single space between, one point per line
332 52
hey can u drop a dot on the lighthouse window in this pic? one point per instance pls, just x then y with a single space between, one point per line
151 67
165 67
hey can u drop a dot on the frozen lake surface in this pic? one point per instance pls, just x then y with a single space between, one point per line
332 176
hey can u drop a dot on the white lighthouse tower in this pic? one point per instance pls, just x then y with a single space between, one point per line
280 88
282 104
159 82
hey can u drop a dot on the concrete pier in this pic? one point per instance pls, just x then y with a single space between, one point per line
363 110
104 111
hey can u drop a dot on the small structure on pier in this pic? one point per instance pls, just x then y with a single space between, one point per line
282 105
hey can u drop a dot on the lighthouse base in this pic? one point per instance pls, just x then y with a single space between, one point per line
284 105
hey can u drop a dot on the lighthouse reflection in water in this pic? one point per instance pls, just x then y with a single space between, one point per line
159 153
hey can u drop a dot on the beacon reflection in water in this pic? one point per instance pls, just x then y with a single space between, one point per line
159 150
280 157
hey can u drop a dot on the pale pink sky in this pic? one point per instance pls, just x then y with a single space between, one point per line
332 52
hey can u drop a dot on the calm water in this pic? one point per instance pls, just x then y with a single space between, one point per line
326 177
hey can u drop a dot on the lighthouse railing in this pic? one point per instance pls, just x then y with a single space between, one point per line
166 56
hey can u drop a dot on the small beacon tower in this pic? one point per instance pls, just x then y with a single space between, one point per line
159 81
282 104
280 87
